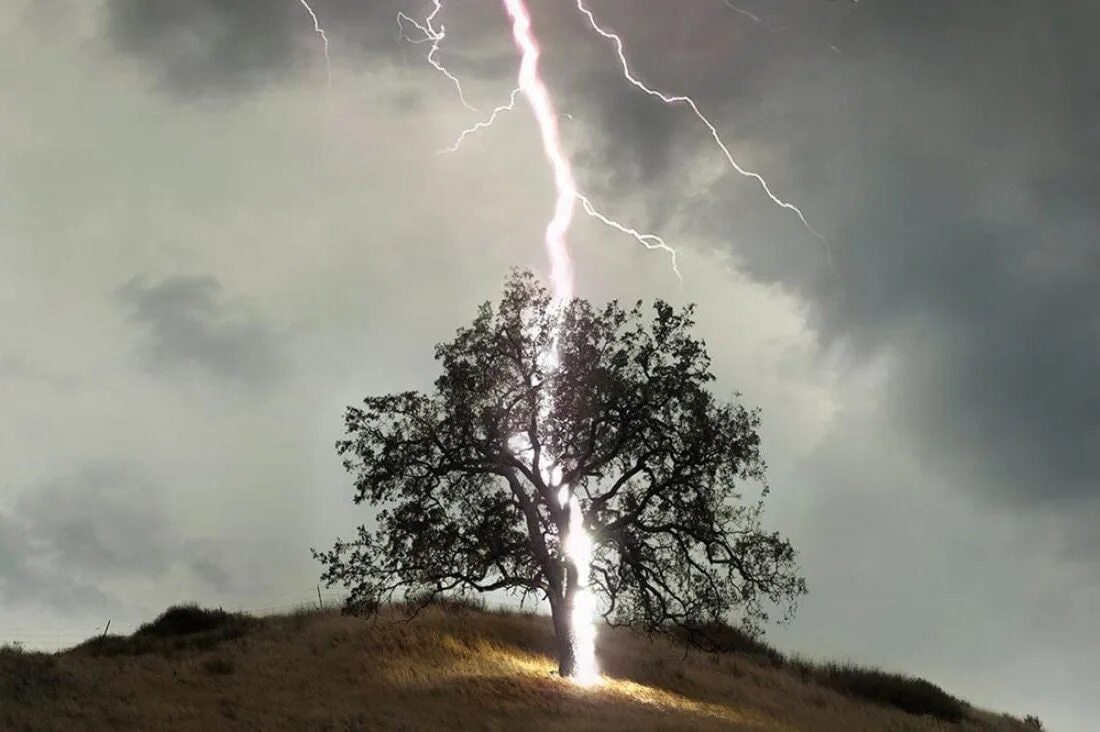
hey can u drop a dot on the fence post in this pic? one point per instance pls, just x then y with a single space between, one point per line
320 602
106 628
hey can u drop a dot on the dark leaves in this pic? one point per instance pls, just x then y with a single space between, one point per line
462 477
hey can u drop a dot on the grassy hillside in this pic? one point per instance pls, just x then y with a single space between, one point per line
450 668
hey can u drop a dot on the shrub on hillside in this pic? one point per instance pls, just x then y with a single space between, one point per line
219 666
910 694
716 637
181 627
452 604
180 620
27 677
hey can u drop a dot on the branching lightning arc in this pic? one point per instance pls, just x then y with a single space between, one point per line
324 39
577 544
675 99
435 36
559 160
649 241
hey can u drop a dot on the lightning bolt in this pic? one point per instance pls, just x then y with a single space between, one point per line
435 37
649 241
542 105
531 86
752 16
324 39
576 543
485 123
675 99
767 23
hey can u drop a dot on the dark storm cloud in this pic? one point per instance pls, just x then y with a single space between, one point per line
189 325
949 150
618 162
16 368
65 537
972 243
203 46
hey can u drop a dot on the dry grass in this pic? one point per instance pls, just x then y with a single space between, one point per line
447 669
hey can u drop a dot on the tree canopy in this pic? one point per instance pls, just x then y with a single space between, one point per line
654 459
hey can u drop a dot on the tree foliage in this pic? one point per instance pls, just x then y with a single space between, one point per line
654 458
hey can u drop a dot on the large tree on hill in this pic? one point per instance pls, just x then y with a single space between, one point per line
653 458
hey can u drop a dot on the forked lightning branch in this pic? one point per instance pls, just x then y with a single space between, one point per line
577 544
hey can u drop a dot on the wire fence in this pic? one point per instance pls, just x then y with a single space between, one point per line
54 638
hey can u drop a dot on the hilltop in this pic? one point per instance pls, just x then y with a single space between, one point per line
453 666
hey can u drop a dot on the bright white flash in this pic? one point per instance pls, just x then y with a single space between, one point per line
324 39
542 105
578 547
435 36
538 95
577 544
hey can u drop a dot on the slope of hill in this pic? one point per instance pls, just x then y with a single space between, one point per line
450 668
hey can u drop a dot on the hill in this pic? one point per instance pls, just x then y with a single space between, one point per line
452 667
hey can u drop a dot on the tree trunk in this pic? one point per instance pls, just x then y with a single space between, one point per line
561 610
563 638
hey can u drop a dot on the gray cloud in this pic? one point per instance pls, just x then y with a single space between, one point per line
189 325
239 46
947 149
17 368
65 539
970 247
916 574
209 44
943 152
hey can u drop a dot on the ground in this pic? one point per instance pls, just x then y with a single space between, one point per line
450 668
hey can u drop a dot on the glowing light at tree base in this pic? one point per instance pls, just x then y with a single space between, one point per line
578 549
577 544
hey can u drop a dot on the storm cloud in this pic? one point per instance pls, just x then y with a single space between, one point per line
65 541
928 381
188 326
962 211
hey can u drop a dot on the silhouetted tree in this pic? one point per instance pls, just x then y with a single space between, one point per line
653 457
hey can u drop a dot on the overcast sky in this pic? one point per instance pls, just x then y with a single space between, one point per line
205 254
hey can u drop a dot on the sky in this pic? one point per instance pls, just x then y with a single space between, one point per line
206 253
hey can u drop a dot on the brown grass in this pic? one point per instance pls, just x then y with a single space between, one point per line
444 670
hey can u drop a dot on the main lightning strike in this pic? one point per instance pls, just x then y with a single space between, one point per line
577 544
435 37
672 99
559 162
324 39
542 105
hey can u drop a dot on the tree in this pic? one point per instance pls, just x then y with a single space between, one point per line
623 416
